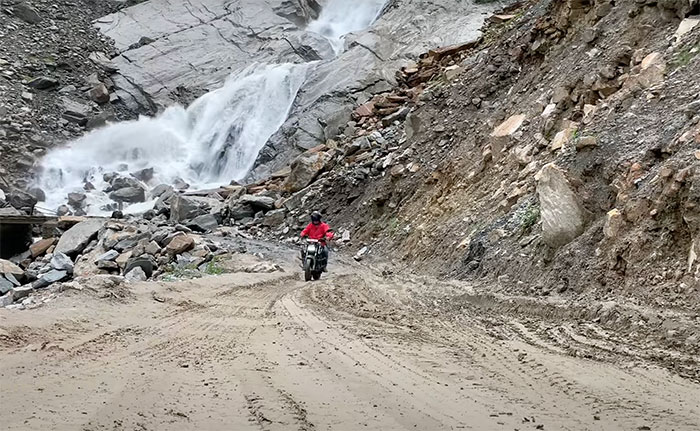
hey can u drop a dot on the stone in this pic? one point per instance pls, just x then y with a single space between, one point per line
6 299
108 256
49 278
145 262
613 223
305 169
274 218
76 200
412 125
61 262
586 142
107 265
162 190
22 200
26 13
74 240
653 70
183 208
685 27
146 175
5 285
7 267
508 127
99 93
63 210
263 203
21 292
563 217
40 247
27 96
179 244
135 275
123 258
564 136
399 115
152 248
100 59
561 95
203 223
43 83
129 194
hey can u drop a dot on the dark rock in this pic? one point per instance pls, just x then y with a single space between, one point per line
161 190
63 210
49 278
203 223
129 194
182 209
38 193
76 200
119 182
99 94
26 13
108 256
117 214
108 265
145 262
43 83
21 200
144 175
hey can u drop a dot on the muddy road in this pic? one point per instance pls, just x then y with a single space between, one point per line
356 350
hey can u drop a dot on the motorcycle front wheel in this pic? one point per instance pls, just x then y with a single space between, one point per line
307 270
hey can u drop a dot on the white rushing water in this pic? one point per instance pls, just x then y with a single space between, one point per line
215 140
340 17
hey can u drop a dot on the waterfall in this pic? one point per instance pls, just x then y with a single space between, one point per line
215 140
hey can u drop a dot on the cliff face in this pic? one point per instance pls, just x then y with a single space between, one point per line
556 157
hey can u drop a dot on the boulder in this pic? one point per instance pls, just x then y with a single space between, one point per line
99 93
129 195
74 240
145 262
258 202
40 247
185 208
136 274
26 13
117 182
77 200
103 61
179 244
563 217
152 248
508 127
49 278
274 218
21 200
61 262
203 223
43 83
305 169
7 267
161 190
109 256
21 292
613 223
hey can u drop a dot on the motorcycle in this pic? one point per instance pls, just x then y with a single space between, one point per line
313 261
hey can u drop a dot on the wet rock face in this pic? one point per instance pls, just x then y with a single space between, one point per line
193 46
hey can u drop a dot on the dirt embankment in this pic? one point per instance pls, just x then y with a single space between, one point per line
557 157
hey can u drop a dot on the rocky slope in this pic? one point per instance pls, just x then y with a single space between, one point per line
54 80
556 157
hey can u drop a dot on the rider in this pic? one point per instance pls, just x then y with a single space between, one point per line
320 231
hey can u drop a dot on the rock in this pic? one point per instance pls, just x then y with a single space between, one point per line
563 218
6 299
129 194
152 248
40 247
63 210
183 208
76 200
38 193
108 256
74 240
305 169
99 93
100 59
145 262
263 203
203 223
135 275
613 223
412 125
179 244
123 258
508 127
61 262
685 27
274 218
108 265
360 254
396 116
49 278
561 95
5 285
653 70
564 136
21 292
7 267
161 190
26 13
586 141
22 200
146 175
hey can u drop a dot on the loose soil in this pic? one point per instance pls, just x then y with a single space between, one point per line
360 349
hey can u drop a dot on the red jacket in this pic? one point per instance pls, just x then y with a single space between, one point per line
317 231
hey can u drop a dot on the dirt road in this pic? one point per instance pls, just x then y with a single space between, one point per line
269 352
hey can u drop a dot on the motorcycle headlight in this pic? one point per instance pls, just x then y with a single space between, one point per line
311 248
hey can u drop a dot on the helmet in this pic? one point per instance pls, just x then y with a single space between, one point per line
315 216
